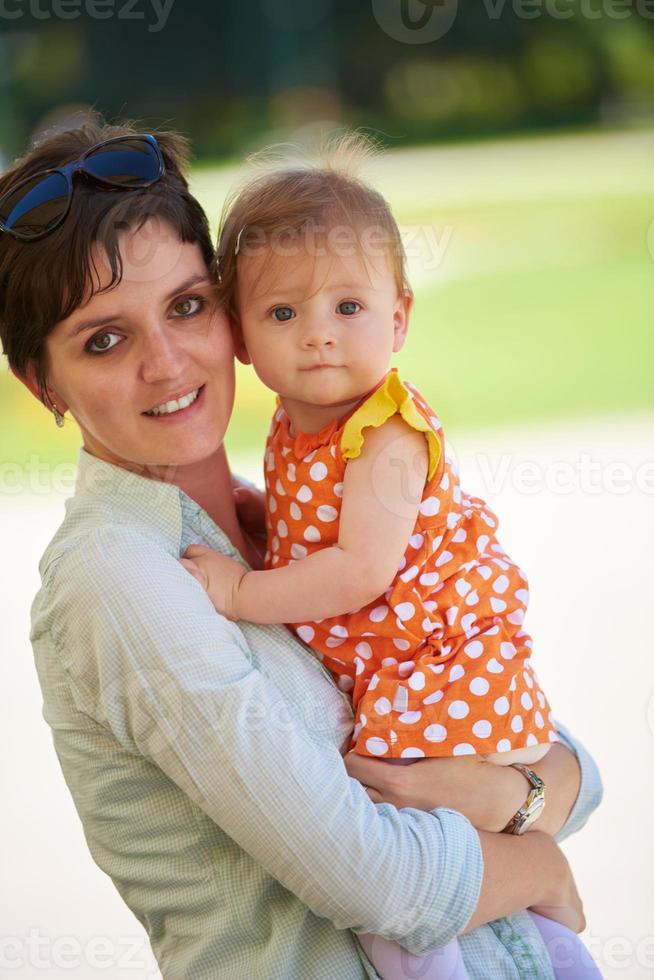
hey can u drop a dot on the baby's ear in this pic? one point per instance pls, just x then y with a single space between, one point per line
240 349
401 315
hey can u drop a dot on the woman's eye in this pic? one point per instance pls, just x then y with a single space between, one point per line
283 313
348 307
102 342
189 305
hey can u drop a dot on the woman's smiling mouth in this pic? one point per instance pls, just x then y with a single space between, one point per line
175 406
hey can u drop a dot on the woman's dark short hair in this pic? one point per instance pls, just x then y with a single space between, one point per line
44 281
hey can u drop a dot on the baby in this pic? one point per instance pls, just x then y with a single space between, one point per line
375 556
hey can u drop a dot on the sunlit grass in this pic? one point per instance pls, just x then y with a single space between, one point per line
540 306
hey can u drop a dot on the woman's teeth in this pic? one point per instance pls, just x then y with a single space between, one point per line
176 404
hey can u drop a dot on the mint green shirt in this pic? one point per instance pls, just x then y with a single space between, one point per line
203 759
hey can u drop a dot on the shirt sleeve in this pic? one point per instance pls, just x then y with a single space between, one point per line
150 660
590 791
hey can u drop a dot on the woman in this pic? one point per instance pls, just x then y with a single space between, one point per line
215 798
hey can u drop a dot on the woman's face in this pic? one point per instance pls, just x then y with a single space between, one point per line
127 362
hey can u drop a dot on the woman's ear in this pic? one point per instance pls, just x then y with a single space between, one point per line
240 349
401 315
30 380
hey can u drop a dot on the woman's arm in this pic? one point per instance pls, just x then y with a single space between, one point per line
382 491
150 660
487 794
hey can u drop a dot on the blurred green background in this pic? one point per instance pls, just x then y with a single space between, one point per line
518 160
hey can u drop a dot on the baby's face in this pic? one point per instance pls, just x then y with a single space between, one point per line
320 329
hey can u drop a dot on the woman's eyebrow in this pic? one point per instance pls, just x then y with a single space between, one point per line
194 280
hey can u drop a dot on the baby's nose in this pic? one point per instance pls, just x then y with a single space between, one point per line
318 335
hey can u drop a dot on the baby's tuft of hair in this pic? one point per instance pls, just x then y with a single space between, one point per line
291 199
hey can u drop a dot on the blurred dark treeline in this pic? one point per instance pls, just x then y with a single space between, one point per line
234 74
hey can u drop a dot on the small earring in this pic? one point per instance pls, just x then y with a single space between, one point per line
59 419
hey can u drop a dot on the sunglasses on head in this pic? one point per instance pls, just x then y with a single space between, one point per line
38 204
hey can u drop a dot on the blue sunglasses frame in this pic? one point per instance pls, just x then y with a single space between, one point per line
40 193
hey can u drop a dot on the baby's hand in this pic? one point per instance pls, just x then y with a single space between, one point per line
218 575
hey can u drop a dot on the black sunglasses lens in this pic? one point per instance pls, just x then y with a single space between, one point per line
125 163
35 206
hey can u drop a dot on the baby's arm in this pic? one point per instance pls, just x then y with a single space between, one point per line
382 491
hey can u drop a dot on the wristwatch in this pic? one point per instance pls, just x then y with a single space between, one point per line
533 806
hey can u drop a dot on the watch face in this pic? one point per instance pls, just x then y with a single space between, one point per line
533 812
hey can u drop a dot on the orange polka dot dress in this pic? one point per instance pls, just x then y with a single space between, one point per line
439 665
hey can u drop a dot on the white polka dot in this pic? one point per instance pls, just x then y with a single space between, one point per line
531 739
326 513
378 614
306 633
274 544
460 536
382 706
429 578
433 698
389 662
474 649
522 595
482 543
435 733
516 618
333 642
553 737
401 644
503 745
416 540
484 572
364 650
456 673
282 529
338 630
497 605
304 494
501 584
374 681
410 573
463 748
479 686
494 666
443 558
416 681
311 533
359 664
376 746
527 678
290 472
318 472
410 717
295 511
462 587
298 551
467 621
458 709
279 489
412 753
538 718
406 668
472 598
445 482
526 701
501 706
405 610
451 615
507 651
482 729
272 505
430 506
436 543
517 724
541 698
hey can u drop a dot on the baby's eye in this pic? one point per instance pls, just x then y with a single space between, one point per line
348 307
283 313
102 342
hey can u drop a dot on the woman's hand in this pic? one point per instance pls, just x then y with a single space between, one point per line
489 795
250 508
218 575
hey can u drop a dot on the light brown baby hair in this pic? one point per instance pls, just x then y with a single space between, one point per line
322 202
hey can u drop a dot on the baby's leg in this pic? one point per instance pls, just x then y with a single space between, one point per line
392 962
570 958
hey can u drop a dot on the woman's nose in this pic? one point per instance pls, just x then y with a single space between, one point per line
163 358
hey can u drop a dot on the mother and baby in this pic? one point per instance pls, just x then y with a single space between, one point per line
327 799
